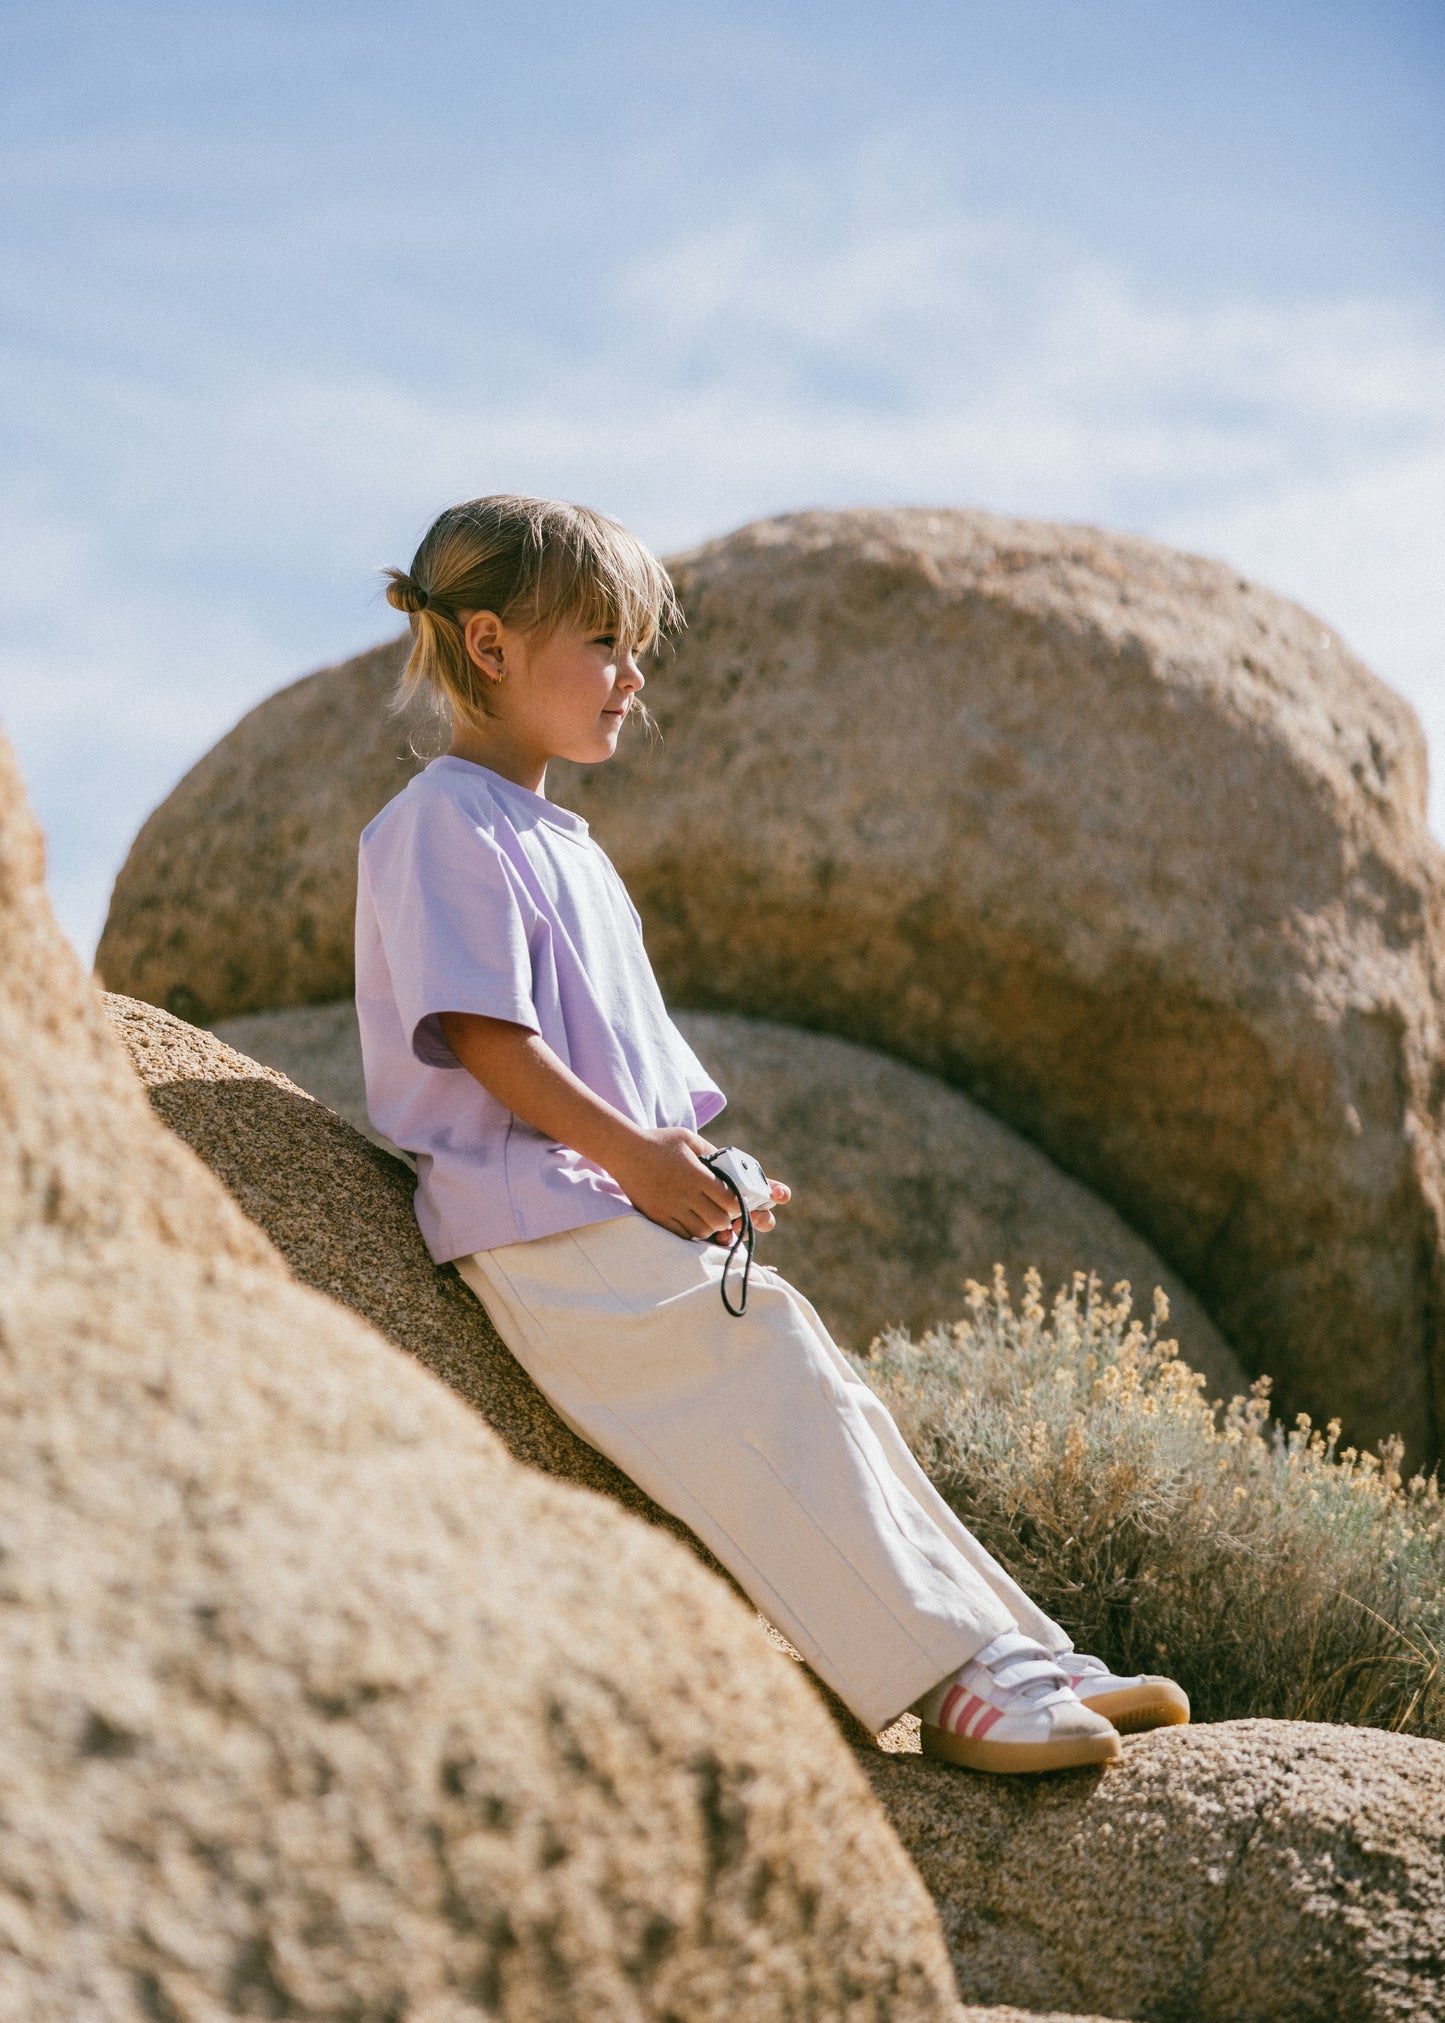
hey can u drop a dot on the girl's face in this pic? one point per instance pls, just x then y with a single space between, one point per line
562 695
569 693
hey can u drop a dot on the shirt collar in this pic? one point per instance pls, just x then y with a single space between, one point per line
519 800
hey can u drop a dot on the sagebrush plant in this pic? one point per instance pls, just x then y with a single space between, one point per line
1269 1571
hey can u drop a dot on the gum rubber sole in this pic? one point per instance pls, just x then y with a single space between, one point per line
1155 1703
1066 1752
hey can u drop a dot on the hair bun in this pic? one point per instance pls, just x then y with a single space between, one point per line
403 593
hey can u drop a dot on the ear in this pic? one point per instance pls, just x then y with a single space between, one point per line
484 633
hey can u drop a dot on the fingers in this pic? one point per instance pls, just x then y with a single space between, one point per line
685 1225
714 1189
720 1195
706 1221
681 1193
764 1220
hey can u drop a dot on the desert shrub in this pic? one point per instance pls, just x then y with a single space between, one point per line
1268 1571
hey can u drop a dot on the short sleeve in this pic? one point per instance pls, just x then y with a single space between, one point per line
453 921
707 1098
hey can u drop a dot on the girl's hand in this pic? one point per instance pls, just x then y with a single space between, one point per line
764 1218
661 1172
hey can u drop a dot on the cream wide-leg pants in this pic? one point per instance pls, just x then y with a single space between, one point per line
757 1434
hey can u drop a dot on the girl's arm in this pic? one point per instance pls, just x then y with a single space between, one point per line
659 1171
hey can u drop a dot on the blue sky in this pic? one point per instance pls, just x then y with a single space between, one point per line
279 281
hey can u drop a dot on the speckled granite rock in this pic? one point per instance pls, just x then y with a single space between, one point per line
1259 1871
1252 1872
994 2015
903 1187
1154 1893
1130 850
316 1046
312 1703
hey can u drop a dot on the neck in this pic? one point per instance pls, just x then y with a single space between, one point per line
499 753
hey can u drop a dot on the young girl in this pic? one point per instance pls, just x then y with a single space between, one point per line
516 1043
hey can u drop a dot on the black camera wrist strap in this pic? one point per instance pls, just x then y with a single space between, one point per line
745 1239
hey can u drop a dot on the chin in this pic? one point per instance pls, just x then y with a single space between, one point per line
600 753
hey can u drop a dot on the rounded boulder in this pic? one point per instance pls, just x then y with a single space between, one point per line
1245 1872
1129 849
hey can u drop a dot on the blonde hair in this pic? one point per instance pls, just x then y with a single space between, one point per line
536 563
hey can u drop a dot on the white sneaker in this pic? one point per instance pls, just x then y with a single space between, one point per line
1011 1708
1134 1704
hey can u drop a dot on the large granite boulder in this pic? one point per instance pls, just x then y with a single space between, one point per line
1253 1872
315 1704
1128 849
1132 851
903 1187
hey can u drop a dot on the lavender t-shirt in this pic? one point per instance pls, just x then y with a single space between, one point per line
474 895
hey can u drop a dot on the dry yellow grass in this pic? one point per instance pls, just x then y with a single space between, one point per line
1267 1569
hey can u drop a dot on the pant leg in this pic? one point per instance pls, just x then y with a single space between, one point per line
1025 1613
756 1433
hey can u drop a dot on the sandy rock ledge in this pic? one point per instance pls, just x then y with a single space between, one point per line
970 2014
1253 1872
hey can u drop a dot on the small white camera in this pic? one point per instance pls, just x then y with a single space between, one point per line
745 1174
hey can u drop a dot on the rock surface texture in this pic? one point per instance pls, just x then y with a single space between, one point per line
1011 2015
314 1703
1259 1870
1253 1872
1130 850
903 1187
316 1046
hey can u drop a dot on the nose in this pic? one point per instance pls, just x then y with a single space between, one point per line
630 675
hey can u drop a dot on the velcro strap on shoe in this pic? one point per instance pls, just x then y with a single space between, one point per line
1017 1672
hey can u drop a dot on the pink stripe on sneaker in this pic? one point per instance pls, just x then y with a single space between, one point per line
981 1727
978 1709
962 1711
951 1699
